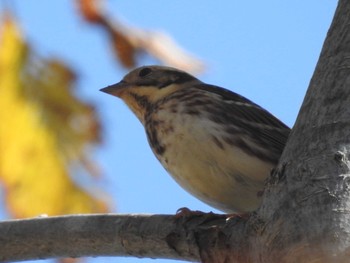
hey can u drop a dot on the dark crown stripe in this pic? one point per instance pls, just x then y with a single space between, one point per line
170 77
183 77
176 77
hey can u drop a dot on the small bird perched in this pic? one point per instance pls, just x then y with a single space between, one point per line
216 144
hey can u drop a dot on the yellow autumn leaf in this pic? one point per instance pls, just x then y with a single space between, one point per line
44 130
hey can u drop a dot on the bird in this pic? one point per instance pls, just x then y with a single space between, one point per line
218 145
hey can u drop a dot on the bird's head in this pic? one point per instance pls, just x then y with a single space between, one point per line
144 86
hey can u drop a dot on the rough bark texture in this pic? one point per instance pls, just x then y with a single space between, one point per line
305 213
154 236
304 216
92 235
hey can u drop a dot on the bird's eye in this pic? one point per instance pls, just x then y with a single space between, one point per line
144 72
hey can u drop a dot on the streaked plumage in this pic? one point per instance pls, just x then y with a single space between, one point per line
216 144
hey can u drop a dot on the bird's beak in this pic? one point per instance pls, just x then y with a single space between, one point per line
116 89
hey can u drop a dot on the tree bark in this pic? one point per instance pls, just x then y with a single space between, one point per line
91 235
153 236
304 216
306 209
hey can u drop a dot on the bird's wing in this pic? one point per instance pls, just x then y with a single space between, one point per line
241 112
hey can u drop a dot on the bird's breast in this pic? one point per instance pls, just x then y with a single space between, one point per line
192 149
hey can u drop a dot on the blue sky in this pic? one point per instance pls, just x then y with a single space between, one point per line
264 50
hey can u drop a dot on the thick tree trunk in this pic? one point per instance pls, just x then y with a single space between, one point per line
305 215
306 212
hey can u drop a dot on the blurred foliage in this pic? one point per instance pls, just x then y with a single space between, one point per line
45 130
124 48
129 42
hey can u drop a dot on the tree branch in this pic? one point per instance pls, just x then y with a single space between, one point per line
161 236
